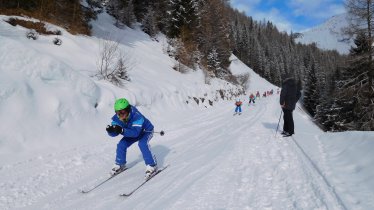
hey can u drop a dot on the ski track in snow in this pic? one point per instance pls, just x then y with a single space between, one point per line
263 167
247 169
325 188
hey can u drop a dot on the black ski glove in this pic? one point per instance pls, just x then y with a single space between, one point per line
114 129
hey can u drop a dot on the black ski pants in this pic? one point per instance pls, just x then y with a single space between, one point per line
288 125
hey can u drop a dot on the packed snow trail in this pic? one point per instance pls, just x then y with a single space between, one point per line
218 161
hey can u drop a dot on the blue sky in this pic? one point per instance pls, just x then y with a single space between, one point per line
295 15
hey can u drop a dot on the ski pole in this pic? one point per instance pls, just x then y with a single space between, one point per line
160 132
278 123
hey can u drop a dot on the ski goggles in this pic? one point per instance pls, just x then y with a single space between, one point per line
121 112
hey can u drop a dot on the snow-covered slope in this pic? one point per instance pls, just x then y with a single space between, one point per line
47 94
53 141
328 35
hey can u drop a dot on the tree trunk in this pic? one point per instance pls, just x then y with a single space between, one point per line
74 10
41 8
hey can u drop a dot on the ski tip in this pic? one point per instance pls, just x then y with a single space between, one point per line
83 191
167 165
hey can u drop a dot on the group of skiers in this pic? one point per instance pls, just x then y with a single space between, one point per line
289 95
251 100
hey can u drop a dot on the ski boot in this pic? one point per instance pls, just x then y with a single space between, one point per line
150 171
286 134
117 169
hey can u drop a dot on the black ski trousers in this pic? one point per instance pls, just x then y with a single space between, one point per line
288 125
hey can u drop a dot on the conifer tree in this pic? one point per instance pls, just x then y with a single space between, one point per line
150 22
310 91
182 14
354 89
123 10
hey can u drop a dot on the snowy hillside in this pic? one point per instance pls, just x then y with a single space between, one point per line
53 141
328 35
50 88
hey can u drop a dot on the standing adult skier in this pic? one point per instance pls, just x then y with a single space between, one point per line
288 98
134 127
238 109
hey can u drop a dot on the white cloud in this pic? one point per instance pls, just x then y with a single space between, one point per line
243 8
320 9
245 5
289 19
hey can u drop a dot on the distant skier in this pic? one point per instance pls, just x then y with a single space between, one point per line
264 95
238 109
289 96
258 95
251 99
134 127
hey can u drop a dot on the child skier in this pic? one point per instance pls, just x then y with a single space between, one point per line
251 99
134 127
258 95
238 109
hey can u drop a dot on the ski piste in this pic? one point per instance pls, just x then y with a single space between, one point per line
145 181
309 163
102 182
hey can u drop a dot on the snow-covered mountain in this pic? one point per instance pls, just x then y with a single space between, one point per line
328 35
53 140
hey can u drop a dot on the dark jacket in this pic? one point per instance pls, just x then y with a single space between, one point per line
289 94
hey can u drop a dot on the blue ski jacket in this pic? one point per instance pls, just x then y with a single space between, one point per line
135 127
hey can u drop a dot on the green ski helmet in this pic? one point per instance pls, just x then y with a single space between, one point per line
121 104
